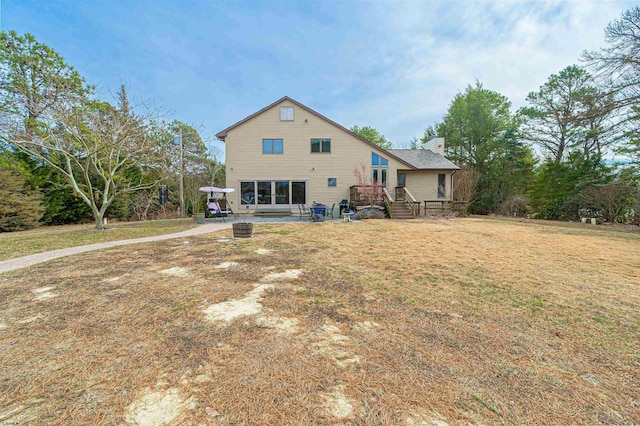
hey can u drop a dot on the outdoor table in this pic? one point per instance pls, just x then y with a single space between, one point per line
319 211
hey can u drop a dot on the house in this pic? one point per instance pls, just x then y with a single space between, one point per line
288 154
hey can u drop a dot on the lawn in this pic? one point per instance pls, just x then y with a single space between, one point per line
14 244
371 323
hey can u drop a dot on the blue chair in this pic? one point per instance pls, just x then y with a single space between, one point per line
318 211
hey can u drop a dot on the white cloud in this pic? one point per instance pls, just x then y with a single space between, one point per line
511 47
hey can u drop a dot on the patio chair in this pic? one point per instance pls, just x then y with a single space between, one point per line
305 213
317 212
330 212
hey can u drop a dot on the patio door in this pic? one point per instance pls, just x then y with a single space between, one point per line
379 175
273 192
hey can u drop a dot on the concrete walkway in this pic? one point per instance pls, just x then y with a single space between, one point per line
33 259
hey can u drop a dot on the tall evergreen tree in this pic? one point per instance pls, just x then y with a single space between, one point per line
480 132
569 113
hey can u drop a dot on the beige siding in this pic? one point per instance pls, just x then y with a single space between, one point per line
245 161
423 184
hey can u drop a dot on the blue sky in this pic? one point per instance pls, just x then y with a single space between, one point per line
393 65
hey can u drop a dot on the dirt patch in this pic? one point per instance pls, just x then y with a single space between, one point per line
30 319
18 414
367 326
337 405
112 279
331 342
433 419
176 271
44 293
285 325
226 265
230 310
158 408
263 251
289 274
251 304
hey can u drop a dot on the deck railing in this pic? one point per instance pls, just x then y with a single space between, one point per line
364 195
445 207
388 202
411 202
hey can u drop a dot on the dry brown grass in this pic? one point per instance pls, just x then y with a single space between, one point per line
465 320
23 243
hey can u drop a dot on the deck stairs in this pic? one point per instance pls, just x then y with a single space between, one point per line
400 210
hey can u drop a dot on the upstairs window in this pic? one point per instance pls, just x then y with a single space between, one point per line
321 145
272 146
286 113
377 160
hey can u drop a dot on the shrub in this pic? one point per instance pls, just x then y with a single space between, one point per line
369 214
514 206
613 202
20 208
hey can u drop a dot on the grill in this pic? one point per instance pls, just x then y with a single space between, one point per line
344 205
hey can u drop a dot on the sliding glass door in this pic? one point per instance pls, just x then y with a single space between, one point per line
280 192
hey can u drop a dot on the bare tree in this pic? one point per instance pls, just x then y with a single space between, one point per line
368 188
610 201
216 167
618 65
102 151
464 185
145 201
617 69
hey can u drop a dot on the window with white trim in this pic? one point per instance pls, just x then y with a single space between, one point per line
379 169
286 113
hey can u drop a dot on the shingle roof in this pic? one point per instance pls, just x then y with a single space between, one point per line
424 159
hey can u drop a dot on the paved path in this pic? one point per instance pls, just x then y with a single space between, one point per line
33 259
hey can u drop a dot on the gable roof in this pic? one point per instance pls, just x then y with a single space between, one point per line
424 159
221 135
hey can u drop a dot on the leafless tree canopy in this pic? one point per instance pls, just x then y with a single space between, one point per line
464 183
368 188
613 202
102 150
618 65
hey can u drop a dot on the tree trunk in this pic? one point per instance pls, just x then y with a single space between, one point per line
99 224
98 215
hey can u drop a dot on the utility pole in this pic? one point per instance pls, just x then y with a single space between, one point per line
181 178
